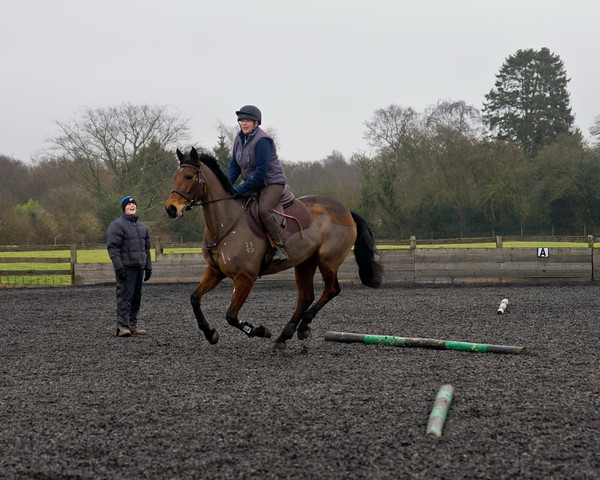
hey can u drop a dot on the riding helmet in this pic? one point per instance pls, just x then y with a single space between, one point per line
250 112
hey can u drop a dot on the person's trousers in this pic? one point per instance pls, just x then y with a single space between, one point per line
129 297
268 197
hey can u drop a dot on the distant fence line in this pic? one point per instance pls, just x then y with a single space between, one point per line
499 240
37 273
403 266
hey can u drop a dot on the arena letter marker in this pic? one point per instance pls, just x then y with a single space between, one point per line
421 342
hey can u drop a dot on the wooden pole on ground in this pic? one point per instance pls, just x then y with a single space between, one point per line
421 342
502 307
439 412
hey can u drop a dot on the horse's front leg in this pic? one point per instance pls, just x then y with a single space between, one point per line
211 278
242 285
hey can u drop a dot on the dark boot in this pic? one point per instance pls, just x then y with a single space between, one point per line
137 331
123 332
279 253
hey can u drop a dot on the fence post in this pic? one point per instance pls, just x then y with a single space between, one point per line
591 245
73 262
498 241
413 242
158 248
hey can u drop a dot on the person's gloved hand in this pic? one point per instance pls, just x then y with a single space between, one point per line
121 273
246 197
148 274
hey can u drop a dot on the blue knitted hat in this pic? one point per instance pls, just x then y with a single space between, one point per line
126 200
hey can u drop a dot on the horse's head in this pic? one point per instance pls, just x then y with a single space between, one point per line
188 185
197 175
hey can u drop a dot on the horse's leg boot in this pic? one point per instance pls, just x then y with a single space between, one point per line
279 253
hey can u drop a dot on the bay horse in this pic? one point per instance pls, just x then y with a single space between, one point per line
233 250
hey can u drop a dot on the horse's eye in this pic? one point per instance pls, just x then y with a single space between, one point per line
189 177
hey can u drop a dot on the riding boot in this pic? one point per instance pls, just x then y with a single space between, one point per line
279 253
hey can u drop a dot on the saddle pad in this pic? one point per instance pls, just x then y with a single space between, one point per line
302 219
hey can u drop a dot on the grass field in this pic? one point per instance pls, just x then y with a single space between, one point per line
101 256
83 256
493 245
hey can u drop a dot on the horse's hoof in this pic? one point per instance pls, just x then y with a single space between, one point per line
279 346
262 332
304 334
213 337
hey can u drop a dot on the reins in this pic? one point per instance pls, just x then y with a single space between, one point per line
214 244
192 202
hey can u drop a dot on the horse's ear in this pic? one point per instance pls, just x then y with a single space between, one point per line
179 155
194 154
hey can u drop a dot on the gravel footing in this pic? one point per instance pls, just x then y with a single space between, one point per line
79 403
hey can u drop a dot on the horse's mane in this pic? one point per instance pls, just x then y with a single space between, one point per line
212 163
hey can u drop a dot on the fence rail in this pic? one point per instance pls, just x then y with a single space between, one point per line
406 267
33 271
403 266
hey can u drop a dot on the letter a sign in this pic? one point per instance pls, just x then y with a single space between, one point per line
543 252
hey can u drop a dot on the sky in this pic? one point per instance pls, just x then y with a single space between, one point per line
317 69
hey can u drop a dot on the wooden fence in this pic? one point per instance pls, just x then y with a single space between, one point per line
406 267
403 266
33 270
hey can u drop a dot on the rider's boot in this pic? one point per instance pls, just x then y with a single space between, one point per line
279 253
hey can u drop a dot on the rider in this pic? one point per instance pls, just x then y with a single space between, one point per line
255 159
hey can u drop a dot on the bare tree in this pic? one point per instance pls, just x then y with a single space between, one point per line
110 143
392 128
16 185
455 116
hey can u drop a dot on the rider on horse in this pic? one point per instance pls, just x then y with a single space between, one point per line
255 159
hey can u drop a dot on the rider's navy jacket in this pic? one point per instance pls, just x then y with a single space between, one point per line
255 159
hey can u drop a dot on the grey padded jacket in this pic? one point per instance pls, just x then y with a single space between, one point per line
128 243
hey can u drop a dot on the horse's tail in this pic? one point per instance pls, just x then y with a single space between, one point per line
370 270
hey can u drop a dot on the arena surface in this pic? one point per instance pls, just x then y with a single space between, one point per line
79 403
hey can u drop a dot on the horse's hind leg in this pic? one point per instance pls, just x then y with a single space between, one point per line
304 281
210 280
330 290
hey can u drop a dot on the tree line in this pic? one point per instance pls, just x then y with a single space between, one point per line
518 167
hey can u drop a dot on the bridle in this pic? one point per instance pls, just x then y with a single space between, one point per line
193 201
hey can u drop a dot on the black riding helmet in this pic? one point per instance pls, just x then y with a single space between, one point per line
249 112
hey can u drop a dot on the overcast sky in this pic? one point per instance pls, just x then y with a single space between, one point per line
318 69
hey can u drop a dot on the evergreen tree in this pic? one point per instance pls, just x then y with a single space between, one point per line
529 104
223 152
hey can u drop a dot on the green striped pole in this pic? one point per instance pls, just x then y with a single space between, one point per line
421 342
438 414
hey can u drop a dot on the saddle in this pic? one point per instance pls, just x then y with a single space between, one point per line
291 214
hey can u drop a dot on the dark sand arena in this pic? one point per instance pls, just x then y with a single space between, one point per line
78 402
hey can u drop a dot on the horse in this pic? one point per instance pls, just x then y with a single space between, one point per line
232 249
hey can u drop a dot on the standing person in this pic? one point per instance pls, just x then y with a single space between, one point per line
128 244
255 159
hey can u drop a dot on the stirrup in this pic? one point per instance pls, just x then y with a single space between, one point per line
279 254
